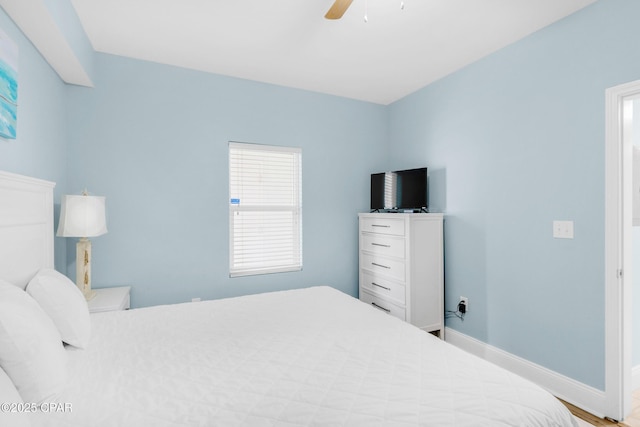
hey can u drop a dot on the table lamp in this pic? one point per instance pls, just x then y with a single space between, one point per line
83 216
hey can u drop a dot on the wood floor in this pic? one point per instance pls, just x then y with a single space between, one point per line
633 420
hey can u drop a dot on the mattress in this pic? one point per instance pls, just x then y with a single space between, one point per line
309 357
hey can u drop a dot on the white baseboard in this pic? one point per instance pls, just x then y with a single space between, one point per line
581 395
635 377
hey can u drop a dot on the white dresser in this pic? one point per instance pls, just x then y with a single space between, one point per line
402 267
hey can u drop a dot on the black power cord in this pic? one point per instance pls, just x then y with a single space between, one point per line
459 313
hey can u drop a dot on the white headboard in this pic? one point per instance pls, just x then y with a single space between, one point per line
26 227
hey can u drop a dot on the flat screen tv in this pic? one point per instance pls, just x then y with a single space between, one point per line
405 189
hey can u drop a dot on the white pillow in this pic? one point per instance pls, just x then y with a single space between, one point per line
10 415
31 351
61 299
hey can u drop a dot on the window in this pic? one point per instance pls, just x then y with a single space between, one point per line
265 209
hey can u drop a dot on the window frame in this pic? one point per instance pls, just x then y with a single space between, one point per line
236 207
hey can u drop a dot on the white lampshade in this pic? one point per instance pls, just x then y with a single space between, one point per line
82 216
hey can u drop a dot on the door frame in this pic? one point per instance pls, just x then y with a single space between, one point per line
618 271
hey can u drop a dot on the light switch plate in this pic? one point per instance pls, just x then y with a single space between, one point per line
563 229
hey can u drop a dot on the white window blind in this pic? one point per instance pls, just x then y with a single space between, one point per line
265 209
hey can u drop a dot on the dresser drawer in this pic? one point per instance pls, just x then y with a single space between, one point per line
385 266
383 244
382 305
393 226
380 286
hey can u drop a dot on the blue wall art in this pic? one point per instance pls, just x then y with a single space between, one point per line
8 86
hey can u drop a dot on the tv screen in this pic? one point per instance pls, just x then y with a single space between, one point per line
406 189
379 200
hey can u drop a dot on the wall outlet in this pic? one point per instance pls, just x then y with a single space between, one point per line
196 299
465 300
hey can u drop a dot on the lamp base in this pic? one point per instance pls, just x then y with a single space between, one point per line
83 268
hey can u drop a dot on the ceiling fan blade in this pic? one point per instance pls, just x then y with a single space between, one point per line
338 9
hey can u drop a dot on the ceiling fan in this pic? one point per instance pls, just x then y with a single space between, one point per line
338 9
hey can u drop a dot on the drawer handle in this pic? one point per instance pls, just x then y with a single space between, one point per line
380 265
380 286
378 225
380 307
380 244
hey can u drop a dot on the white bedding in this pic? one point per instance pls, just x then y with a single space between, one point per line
312 357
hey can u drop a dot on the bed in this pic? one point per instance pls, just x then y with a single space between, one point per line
306 357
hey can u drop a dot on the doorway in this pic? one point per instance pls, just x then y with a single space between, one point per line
619 248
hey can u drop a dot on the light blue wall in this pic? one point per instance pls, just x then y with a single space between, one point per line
154 139
40 147
516 141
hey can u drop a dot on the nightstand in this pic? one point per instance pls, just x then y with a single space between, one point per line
110 299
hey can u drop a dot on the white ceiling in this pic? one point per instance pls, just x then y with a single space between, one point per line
289 43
